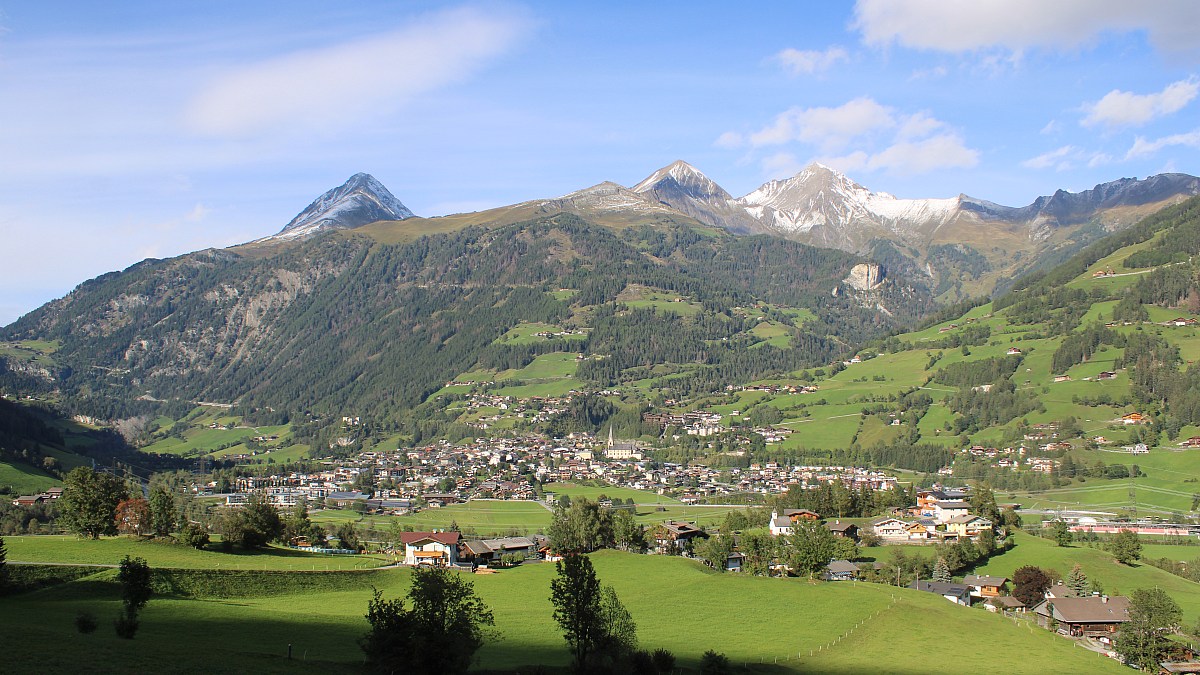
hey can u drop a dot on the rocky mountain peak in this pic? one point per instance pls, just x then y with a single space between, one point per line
359 201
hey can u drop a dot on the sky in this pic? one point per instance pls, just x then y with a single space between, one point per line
146 129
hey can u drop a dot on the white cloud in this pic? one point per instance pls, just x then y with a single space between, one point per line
781 164
945 151
1123 108
342 84
1066 158
1017 25
1142 147
1050 128
830 128
862 134
809 62
729 140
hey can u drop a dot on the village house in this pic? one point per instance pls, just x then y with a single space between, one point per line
891 529
968 525
959 594
985 586
678 534
1090 616
840 570
430 548
488 551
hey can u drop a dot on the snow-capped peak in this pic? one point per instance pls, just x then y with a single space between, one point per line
685 178
360 200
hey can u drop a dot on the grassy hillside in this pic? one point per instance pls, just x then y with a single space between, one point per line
772 622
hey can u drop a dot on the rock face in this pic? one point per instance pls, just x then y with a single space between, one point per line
865 277
359 201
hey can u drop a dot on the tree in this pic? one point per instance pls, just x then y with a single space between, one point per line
941 571
581 527
1153 616
194 535
759 549
715 551
163 514
575 593
3 564
1077 581
133 517
714 663
134 577
664 661
627 532
1062 533
1126 547
440 634
812 548
1030 584
619 629
88 504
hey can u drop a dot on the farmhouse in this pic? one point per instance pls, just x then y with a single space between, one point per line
840 570
1087 616
484 551
430 548
889 528
848 530
985 587
956 593
678 534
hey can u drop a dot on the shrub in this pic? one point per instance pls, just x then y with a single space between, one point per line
85 623
126 626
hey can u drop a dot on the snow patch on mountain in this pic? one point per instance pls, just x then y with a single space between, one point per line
359 201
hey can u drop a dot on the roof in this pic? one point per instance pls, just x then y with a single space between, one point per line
972 580
347 495
840 527
968 518
449 538
1006 601
1090 609
1181 667
942 588
842 567
953 504
781 521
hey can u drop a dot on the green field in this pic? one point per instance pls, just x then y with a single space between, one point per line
1117 579
110 550
482 516
25 480
787 625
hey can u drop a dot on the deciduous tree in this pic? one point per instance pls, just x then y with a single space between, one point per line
1030 584
575 593
1126 547
88 505
812 548
440 634
133 517
1153 616
163 513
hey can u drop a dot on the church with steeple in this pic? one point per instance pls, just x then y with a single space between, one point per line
621 449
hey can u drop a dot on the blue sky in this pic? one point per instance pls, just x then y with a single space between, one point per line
134 130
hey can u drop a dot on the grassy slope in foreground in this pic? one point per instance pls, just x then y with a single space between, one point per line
676 603
109 551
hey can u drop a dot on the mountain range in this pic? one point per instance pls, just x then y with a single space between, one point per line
956 247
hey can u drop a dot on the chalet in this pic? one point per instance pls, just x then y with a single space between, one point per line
28 500
734 562
1134 418
1062 378
985 587
1106 375
1087 616
848 530
436 499
430 548
781 525
1013 351
797 515
889 528
484 551
916 531
678 534
968 525
1004 603
956 593
840 570
945 511
1193 442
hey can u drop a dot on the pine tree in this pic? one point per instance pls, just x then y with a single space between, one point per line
941 570
1077 580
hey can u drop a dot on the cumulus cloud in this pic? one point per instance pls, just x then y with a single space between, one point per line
350 81
830 128
729 140
1143 147
1066 158
861 134
1123 108
1017 25
809 62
